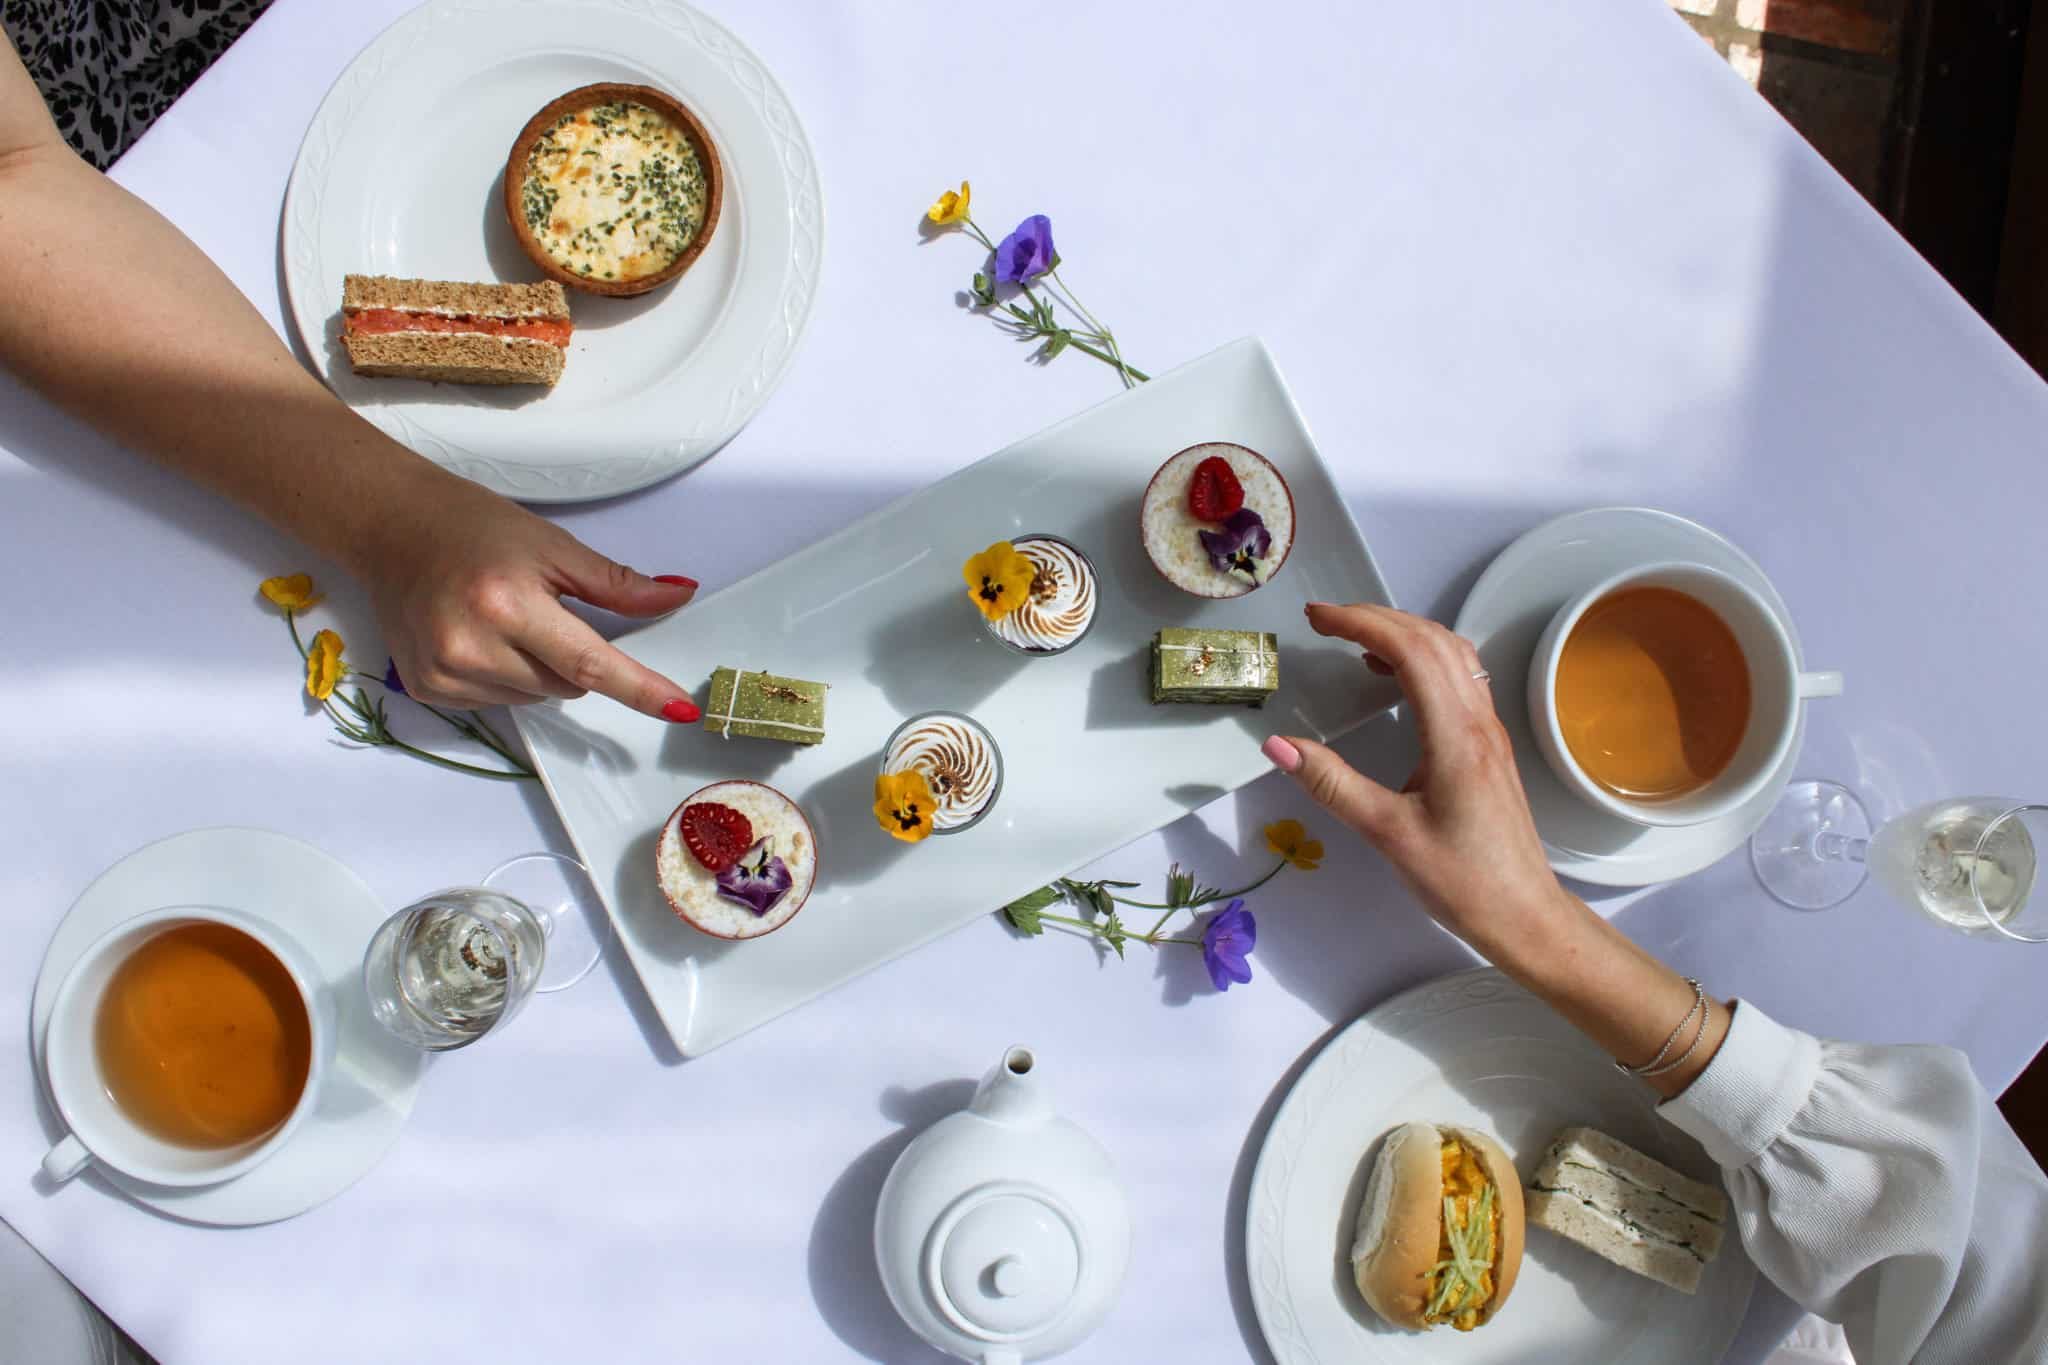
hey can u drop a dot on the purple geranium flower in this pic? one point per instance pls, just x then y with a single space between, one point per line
1241 544
1027 253
392 682
1227 941
757 880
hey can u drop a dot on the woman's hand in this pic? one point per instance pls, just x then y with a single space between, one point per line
1459 832
1461 835
467 590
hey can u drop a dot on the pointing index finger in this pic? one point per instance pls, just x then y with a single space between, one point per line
589 661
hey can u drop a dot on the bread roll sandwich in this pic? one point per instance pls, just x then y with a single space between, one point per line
1440 1230
455 333
1617 1203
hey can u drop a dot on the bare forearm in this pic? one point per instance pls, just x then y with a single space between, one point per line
116 316
1622 998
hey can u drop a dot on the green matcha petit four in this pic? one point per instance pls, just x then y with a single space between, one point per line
764 706
1219 667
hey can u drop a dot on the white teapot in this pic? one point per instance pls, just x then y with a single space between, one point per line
1002 1231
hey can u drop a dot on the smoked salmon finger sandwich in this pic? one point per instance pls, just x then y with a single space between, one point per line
455 333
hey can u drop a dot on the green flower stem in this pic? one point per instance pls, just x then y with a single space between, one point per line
1067 296
1198 904
1094 930
1085 349
479 729
425 756
498 741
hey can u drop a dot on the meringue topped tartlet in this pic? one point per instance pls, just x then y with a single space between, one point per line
1037 593
1218 520
736 859
959 766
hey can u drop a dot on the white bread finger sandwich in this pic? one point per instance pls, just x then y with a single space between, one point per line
1617 1203
455 333
1440 1228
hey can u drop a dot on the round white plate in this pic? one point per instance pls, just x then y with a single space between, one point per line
1472 1049
328 910
1504 615
401 174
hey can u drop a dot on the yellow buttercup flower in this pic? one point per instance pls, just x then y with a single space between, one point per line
950 208
999 579
904 805
1288 839
324 666
293 592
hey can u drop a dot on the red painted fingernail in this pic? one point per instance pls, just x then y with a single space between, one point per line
1285 756
681 710
676 580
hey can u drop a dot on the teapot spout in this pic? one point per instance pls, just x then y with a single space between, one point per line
1011 1092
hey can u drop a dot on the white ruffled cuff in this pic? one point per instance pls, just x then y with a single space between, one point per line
1756 1084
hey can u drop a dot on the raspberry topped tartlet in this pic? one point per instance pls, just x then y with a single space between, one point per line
736 859
1218 520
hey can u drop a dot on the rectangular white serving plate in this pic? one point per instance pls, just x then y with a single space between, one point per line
879 613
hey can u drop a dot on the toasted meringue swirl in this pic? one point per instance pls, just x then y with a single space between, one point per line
957 757
1061 603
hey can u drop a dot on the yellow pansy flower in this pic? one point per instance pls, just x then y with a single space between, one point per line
1288 839
950 208
904 805
999 579
324 666
293 592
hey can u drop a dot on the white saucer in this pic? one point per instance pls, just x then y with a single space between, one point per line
331 913
1504 615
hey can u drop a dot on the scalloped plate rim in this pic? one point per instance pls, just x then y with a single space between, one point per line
790 309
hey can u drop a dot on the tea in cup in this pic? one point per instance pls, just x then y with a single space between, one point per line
1669 694
185 1046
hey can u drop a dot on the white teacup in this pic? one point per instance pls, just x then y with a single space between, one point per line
99 1130
1776 689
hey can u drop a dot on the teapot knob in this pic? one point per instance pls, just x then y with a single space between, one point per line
1004 1262
1009 1277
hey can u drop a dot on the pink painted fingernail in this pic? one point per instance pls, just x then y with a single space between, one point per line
1285 756
681 710
676 580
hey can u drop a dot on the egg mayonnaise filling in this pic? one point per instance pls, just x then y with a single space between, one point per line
1468 1243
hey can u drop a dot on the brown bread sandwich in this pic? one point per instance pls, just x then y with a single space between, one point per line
455 333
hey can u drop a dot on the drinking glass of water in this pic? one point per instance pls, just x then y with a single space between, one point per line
452 966
1967 862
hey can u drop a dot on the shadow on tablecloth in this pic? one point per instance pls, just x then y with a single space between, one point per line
846 1284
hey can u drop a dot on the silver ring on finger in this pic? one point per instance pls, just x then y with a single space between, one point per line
1482 676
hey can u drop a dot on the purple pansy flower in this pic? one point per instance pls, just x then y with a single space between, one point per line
392 682
1227 941
1027 253
757 880
1241 544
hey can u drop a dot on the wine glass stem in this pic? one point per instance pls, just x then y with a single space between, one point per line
1840 848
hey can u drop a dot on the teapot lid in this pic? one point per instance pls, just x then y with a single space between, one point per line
1003 1261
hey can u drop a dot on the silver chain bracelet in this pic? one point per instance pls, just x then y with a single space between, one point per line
1699 1004
1706 1015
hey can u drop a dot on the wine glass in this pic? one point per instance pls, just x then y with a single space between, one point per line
454 965
1967 862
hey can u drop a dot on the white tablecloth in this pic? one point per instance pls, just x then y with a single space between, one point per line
1514 259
